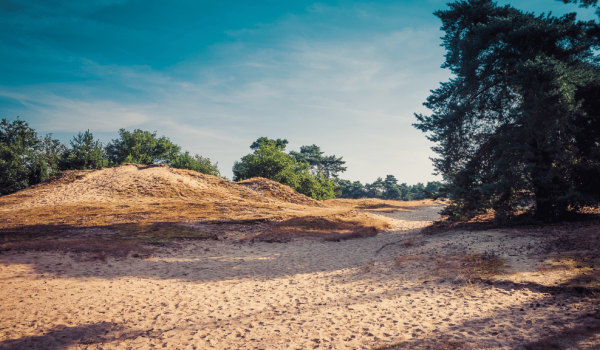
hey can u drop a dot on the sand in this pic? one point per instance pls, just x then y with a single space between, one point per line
303 294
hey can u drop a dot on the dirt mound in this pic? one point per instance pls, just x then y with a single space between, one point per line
140 183
275 190
133 193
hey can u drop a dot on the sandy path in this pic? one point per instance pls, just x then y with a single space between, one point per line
300 295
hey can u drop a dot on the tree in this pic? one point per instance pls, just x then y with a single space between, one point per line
375 189
329 166
52 150
21 164
582 3
279 143
511 124
84 154
349 189
270 161
141 147
195 163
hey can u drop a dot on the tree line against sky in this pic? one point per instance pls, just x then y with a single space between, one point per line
27 159
516 128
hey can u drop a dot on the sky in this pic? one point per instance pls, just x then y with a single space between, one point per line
214 76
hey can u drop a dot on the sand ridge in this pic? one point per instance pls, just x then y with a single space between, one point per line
133 182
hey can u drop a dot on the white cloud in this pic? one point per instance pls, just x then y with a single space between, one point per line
354 97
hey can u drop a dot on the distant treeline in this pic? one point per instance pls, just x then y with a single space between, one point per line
389 189
27 159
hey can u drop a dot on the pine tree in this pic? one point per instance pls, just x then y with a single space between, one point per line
519 121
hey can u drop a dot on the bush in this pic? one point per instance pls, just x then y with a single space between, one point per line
195 163
21 163
141 147
270 161
85 153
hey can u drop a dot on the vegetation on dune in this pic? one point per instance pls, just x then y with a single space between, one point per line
270 161
518 125
23 157
27 159
85 153
141 147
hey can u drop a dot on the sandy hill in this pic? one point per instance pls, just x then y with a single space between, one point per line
134 193
140 183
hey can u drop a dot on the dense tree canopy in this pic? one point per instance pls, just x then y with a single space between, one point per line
279 143
52 151
520 119
270 161
389 189
141 147
84 154
26 159
195 163
22 162
328 166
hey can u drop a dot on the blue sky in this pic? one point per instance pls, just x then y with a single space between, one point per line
213 76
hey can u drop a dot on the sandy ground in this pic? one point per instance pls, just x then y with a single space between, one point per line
303 294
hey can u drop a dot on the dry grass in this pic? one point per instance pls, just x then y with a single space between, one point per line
585 268
378 205
469 267
144 203
117 240
336 227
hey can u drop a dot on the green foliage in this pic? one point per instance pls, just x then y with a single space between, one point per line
195 163
52 151
279 143
270 161
85 153
389 189
141 147
328 166
21 164
519 121
317 186
582 3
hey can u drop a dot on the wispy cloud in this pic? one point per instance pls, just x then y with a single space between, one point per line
352 94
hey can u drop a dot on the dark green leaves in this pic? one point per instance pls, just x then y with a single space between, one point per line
141 147
84 154
270 161
508 125
22 163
